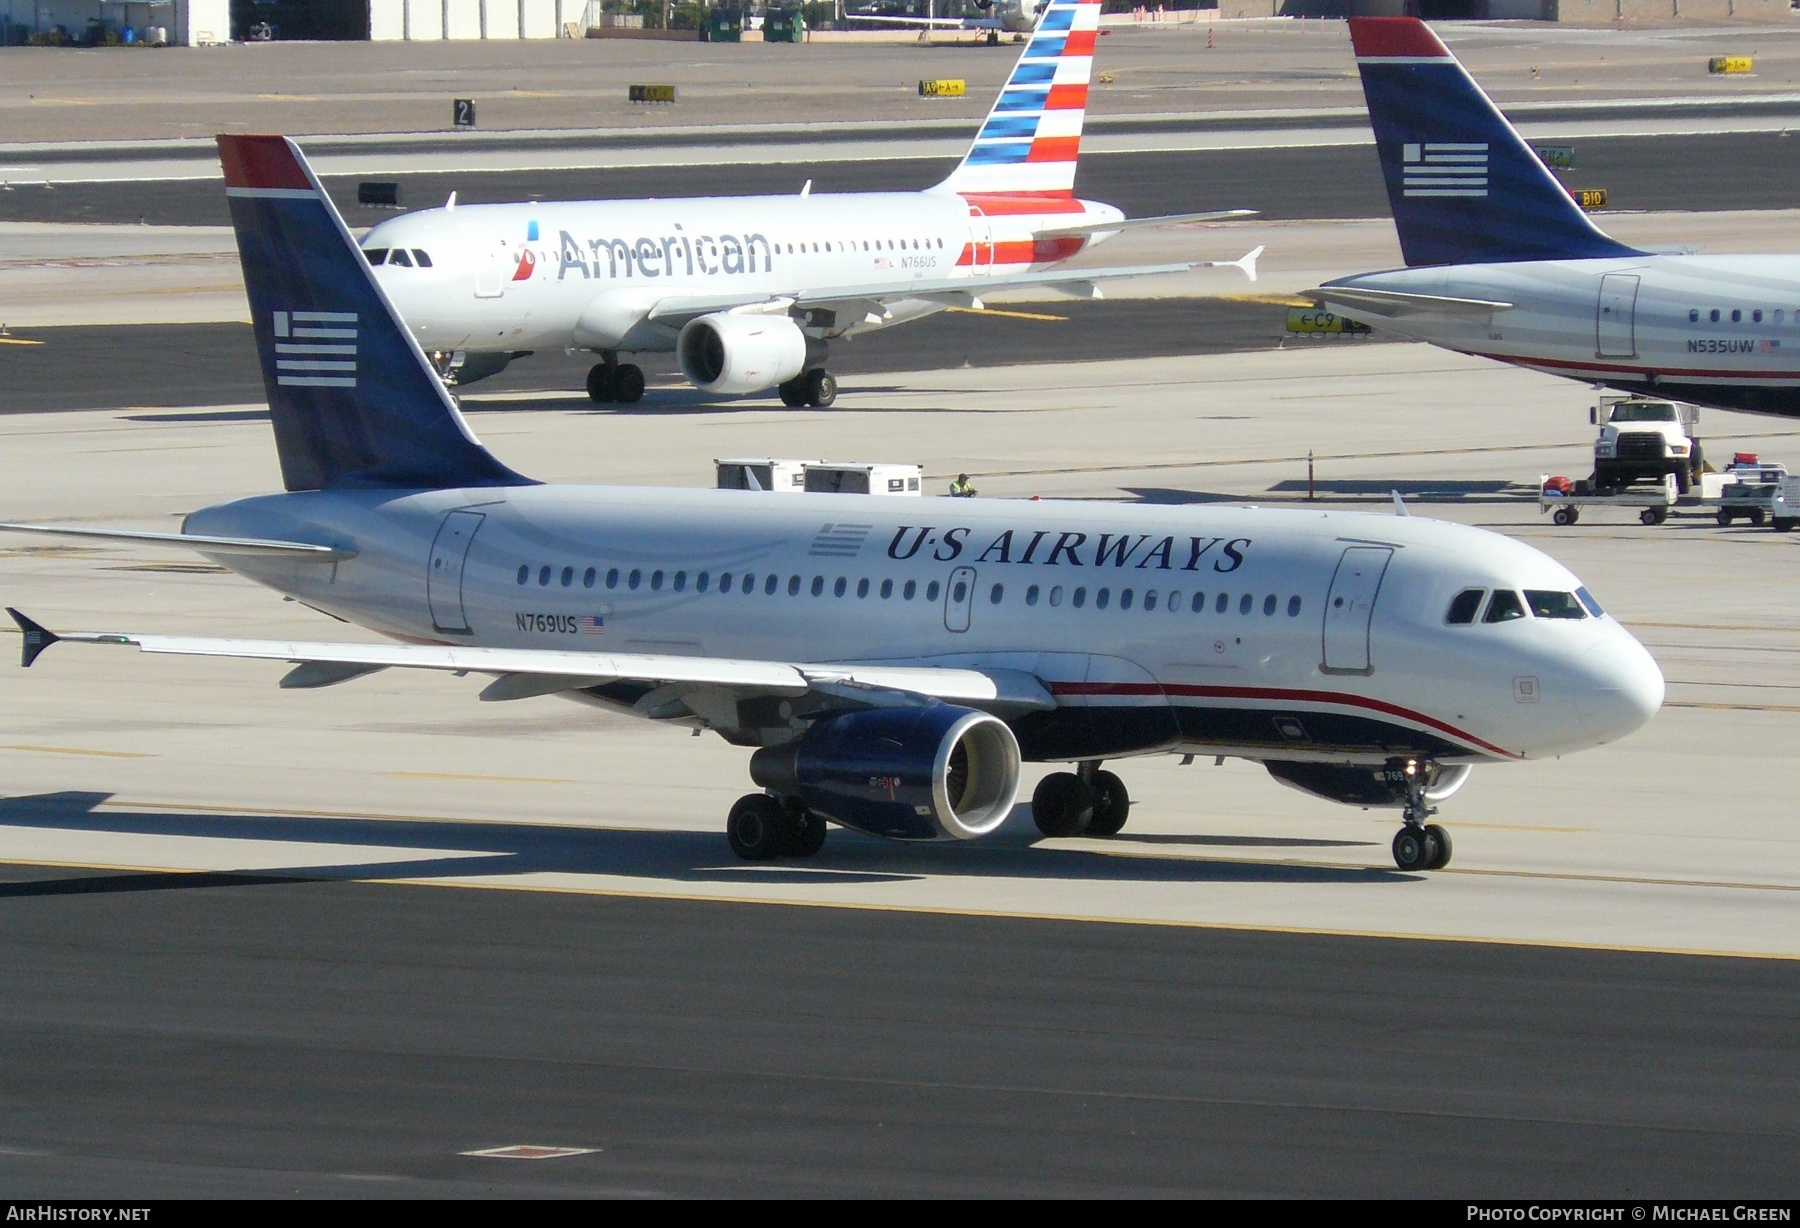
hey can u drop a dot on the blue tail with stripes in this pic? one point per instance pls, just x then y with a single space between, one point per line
1464 186
353 399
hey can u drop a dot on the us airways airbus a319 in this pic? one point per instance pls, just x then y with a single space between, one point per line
888 667
1503 264
749 291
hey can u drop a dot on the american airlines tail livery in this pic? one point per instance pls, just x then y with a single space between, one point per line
750 290
888 663
1502 263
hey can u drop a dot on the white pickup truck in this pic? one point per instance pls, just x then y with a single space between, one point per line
1642 439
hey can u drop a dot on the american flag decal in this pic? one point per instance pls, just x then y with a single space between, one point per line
1445 169
1768 347
315 349
840 541
590 624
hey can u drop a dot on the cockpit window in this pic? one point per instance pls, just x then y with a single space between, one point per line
376 254
1464 605
420 256
1643 411
398 256
1504 607
1587 599
1549 604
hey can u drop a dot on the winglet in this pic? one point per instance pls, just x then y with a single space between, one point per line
1245 264
36 638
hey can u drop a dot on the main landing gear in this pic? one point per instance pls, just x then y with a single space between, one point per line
762 827
817 388
1085 802
612 381
1418 845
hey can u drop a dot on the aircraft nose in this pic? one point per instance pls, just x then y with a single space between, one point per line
1625 688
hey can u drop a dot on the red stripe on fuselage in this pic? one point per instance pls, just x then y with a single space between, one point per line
1642 373
1282 694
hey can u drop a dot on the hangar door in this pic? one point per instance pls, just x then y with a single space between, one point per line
1350 605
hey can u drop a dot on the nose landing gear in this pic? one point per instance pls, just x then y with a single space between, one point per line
1418 845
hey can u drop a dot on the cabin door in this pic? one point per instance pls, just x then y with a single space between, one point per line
444 573
1350 605
1615 317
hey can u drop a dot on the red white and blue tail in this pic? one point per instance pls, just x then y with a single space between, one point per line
1031 139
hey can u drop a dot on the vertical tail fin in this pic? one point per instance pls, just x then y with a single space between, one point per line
1029 142
353 399
1464 186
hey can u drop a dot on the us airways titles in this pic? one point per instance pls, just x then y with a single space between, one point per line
668 256
1053 548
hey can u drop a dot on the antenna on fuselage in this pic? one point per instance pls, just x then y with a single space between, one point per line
806 189
1400 505
451 203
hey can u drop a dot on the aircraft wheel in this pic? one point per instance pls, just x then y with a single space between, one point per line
1440 841
628 384
600 383
1111 805
757 827
1566 515
821 388
1063 805
805 833
793 392
1414 848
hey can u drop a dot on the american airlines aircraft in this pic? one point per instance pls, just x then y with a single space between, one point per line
1502 263
750 290
889 663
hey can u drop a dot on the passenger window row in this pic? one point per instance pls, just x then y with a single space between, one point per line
1737 315
1505 605
878 245
657 579
397 255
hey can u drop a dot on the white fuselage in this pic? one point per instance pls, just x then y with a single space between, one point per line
584 274
1293 635
1714 330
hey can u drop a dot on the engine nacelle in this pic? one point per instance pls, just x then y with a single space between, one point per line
740 353
1364 786
934 772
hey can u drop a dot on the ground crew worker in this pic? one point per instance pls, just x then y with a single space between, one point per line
960 489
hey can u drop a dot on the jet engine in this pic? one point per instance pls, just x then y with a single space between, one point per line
933 772
741 353
1365 786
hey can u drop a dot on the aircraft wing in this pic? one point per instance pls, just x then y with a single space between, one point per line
678 309
523 672
1391 304
1142 223
194 541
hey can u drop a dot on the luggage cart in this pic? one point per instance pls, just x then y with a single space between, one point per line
1565 507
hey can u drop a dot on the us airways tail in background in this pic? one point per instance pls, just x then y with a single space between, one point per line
888 668
750 290
1503 264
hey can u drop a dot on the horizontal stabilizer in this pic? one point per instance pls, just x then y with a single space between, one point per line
195 541
1141 223
1392 304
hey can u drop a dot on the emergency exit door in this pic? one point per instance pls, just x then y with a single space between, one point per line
444 571
1615 317
1350 605
959 599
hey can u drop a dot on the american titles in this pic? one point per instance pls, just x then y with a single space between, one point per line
664 256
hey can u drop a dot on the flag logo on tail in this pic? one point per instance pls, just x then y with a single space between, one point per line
315 349
1445 168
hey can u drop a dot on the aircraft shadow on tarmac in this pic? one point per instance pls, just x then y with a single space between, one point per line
507 850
